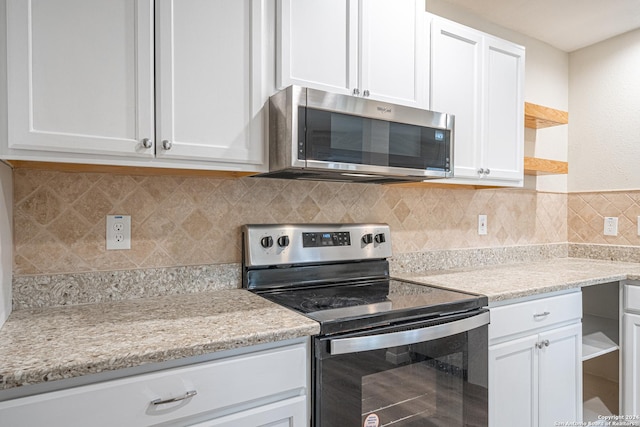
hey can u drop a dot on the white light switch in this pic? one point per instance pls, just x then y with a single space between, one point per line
482 225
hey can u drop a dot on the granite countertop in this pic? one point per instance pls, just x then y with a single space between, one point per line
506 282
47 344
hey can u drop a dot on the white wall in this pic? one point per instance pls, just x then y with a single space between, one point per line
6 240
604 93
546 83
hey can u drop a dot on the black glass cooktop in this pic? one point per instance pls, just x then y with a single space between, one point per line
358 305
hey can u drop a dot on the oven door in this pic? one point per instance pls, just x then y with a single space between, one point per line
425 374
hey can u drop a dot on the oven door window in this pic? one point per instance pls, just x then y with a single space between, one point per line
436 383
342 138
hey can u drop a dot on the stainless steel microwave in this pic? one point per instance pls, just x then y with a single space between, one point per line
326 136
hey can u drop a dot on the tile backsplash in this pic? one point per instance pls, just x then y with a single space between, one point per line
586 213
60 217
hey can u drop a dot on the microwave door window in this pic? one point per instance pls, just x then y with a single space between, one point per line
375 142
342 138
418 147
333 137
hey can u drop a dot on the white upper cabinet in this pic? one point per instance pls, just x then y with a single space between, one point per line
504 108
480 79
394 56
456 73
371 48
80 76
209 78
85 75
318 44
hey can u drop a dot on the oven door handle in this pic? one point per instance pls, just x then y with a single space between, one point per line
413 336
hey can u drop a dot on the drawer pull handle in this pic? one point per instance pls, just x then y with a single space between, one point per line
538 315
187 395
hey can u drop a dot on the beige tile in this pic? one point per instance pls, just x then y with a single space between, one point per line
93 205
43 206
116 187
69 227
196 225
69 186
140 202
193 220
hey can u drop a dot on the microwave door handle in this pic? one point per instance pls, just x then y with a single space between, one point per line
413 336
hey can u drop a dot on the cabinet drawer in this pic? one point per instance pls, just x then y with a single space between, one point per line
632 297
240 382
540 313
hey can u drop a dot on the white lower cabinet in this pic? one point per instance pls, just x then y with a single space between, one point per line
631 351
535 368
630 364
267 387
288 413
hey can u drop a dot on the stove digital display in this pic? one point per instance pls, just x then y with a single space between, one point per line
334 238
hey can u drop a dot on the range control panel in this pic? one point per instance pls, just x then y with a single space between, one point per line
327 238
277 244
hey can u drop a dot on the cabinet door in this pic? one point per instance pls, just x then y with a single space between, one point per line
560 390
288 413
503 153
318 44
631 364
456 65
513 383
80 76
209 63
394 62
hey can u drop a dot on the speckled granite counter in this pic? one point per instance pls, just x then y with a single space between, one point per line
48 344
507 282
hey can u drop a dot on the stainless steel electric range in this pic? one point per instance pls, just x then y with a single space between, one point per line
390 351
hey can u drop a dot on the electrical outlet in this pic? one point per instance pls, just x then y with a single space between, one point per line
482 225
118 232
611 226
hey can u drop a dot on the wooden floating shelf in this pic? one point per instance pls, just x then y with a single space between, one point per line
538 116
536 166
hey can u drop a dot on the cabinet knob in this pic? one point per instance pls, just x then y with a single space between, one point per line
487 171
356 91
147 143
166 144
541 344
481 171
365 93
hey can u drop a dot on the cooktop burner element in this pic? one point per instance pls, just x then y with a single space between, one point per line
338 274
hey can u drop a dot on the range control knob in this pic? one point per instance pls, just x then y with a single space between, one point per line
266 242
380 238
367 239
283 241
